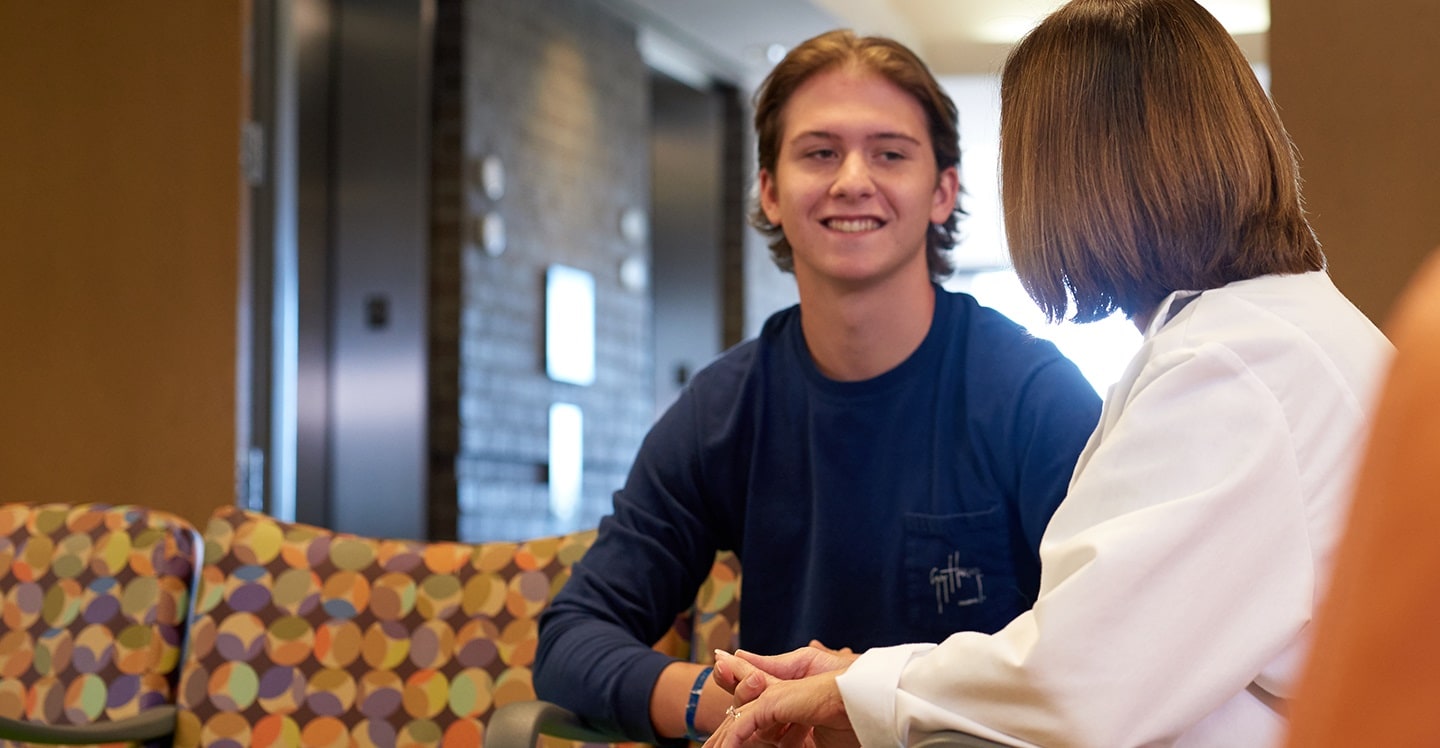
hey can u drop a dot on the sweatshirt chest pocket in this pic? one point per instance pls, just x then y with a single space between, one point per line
958 574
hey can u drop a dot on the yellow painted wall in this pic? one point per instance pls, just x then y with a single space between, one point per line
120 238
1356 85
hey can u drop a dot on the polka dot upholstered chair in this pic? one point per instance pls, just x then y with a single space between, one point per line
712 623
93 599
304 636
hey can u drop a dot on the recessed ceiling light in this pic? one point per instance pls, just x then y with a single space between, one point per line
1006 29
1240 16
1237 16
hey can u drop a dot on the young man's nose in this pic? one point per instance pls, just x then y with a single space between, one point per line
852 179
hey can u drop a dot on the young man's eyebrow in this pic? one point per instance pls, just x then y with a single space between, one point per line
827 135
895 136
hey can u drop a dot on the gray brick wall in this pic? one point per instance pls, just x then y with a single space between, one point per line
557 90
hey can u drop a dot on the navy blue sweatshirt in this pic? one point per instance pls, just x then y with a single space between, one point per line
897 509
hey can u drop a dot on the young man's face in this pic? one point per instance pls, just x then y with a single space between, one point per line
855 186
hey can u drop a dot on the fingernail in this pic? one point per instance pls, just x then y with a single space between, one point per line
721 669
720 653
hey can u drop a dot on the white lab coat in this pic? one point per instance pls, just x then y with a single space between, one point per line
1181 572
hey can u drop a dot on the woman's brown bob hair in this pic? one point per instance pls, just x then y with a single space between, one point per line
895 63
1140 156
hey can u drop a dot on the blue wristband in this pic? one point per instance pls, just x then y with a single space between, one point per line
694 704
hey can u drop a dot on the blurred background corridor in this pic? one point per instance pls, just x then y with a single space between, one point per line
430 268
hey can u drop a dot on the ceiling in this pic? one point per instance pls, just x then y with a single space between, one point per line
729 39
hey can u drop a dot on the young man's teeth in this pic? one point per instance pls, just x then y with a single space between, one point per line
853 225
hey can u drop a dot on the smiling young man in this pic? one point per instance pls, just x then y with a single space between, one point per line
855 187
883 457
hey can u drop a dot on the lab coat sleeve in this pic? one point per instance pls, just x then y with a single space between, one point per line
1175 569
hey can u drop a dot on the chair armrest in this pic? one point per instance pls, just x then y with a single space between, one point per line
156 722
521 723
955 739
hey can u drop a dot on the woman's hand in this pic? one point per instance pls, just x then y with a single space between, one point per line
790 714
788 700
800 663
746 682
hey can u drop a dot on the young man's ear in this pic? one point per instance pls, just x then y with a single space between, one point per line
947 188
769 202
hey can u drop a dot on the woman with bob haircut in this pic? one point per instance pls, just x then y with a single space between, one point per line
1144 171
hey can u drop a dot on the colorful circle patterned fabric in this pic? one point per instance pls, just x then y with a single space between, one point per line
716 615
93 599
714 621
305 636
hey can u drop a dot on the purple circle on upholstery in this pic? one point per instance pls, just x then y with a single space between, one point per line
85 660
403 562
477 653
122 690
195 684
276 681
425 646
249 598
29 597
318 552
325 704
240 639
381 703
380 732
534 585
101 609
51 705
235 650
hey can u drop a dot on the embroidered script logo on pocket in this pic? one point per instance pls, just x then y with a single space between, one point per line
954 583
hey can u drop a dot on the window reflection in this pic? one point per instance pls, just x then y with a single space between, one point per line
1101 349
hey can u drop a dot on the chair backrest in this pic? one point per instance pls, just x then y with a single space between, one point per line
711 623
307 636
714 621
303 635
94 600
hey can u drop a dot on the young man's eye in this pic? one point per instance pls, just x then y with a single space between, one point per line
892 156
820 153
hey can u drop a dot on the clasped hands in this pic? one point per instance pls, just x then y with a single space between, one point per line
789 700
